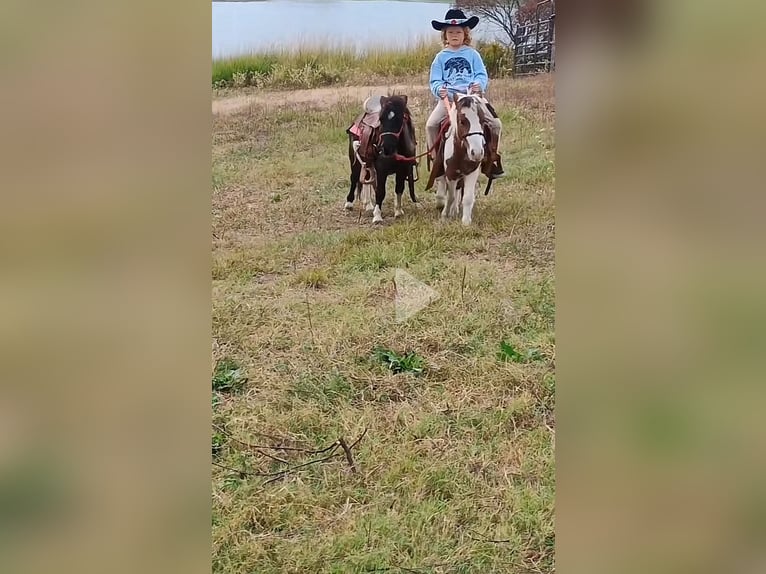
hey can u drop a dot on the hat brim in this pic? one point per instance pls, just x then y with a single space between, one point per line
468 23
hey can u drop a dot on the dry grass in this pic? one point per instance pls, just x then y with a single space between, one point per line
456 470
327 63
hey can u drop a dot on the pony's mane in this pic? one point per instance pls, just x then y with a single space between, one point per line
465 102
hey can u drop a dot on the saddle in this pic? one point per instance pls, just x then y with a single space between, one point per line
365 127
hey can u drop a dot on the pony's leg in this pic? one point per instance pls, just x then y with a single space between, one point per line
401 177
380 195
455 196
356 170
451 199
469 195
366 185
368 192
441 191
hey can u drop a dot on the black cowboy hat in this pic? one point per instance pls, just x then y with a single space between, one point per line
455 18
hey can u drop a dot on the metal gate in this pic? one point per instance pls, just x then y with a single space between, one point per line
535 51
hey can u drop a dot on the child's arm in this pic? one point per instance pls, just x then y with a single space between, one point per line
436 78
480 72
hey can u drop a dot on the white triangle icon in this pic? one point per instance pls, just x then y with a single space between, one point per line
411 295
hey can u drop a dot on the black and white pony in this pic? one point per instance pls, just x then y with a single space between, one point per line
377 151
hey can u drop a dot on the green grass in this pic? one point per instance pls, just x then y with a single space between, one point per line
307 66
455 472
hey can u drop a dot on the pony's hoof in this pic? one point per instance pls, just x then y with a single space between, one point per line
377 217
398 213
439 203
348 206
369 207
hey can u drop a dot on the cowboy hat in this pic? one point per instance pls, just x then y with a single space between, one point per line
455 18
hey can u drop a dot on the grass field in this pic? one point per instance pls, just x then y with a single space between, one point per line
454 471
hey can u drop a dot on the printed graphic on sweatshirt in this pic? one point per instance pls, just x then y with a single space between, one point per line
458 70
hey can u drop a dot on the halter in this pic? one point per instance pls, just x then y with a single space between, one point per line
473 134
469 134
397 156
395 134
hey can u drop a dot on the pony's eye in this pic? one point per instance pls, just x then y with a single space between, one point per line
391 115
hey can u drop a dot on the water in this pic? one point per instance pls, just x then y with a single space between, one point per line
246 27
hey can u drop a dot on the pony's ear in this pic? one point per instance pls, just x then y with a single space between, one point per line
404 97
383 101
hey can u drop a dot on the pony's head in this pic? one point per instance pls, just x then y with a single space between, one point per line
392 119
469 126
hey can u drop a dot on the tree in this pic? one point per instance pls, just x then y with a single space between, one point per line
511 16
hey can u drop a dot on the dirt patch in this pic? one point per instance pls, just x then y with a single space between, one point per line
534 93
319 97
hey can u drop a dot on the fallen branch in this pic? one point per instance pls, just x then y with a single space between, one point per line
239 471
285 472
273 447
361 436
332 449
484 538
416 570
347 450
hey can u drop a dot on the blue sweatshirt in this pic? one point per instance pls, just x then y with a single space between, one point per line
457 69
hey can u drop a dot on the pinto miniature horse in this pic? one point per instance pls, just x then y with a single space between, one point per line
460 157
385 148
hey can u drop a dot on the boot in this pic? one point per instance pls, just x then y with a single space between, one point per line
497 168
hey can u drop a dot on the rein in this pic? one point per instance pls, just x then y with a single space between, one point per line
397 156
413 159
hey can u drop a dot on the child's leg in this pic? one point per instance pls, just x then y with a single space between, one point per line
496 127
495 124
433 124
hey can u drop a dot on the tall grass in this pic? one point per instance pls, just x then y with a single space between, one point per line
308 66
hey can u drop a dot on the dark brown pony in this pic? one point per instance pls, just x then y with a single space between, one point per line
387 149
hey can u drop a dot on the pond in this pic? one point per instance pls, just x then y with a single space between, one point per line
246 27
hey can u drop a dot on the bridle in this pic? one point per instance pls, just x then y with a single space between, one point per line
398 134
397 156
469 134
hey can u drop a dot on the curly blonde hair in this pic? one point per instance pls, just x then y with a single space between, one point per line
466 36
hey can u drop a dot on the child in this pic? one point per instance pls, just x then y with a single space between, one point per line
458 68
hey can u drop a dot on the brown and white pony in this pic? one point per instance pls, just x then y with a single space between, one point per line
459 160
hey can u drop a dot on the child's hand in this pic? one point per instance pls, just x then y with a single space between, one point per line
443 92
475 88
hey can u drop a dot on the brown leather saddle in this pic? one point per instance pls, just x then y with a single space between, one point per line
366 127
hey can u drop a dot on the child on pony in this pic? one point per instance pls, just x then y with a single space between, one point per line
459 68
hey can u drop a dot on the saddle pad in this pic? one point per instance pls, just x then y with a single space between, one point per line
371 119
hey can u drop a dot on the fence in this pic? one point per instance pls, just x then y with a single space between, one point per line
536 50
